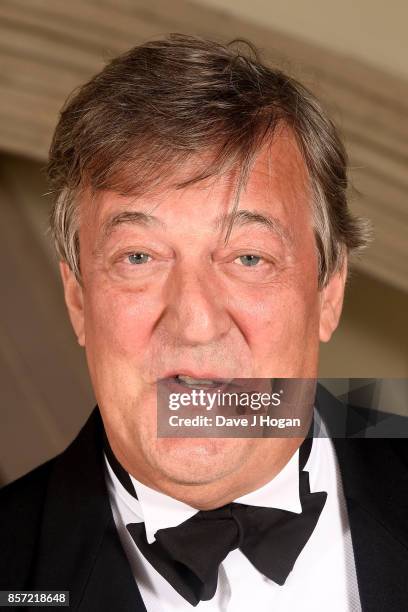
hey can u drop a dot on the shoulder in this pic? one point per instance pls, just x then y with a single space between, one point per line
361 418
387 454
41 504
400 448
25 491
21 505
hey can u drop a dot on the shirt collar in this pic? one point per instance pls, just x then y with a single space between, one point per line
160 511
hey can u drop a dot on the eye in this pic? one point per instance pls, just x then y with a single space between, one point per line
138 258
249 260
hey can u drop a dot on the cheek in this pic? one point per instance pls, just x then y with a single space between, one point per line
285 318
119 322
281 320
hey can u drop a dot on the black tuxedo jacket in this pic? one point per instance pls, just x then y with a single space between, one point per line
57 531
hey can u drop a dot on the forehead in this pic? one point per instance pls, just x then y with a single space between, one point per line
277 183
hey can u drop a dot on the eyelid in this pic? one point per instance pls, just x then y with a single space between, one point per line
250 255
255 253
120 254
134 244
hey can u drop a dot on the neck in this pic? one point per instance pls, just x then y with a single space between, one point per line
261 467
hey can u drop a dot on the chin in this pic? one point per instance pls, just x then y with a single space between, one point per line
197 460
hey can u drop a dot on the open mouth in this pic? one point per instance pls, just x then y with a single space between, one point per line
189 382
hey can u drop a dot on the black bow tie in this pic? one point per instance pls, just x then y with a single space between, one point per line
188 556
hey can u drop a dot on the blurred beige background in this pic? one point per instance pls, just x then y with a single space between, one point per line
353 54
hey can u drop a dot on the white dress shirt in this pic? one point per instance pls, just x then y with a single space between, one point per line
323 577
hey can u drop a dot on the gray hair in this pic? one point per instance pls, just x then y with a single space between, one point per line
155 106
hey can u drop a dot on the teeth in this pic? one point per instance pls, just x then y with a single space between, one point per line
196 381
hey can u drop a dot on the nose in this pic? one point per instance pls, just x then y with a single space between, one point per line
195 312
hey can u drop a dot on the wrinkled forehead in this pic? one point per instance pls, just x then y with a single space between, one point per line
276 177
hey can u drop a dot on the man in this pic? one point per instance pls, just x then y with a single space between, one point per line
203 231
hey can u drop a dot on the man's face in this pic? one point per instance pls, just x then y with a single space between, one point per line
164 294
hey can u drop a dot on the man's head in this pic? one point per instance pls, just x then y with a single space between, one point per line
202 222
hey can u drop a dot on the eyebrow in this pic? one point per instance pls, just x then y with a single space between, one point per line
238 218
129 216
244 217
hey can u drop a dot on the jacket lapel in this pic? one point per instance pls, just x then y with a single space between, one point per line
79 549
375 483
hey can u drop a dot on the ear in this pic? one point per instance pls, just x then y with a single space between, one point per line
74 300
332 302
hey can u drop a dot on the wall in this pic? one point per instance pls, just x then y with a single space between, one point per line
370 30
